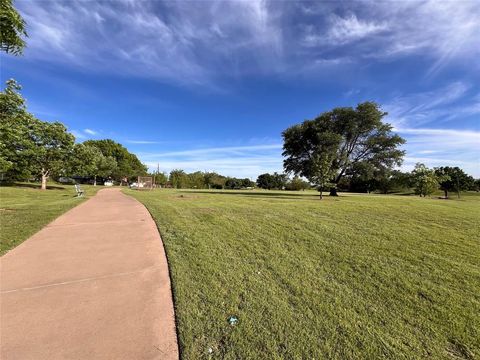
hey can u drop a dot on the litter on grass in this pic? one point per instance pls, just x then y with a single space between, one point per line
232 320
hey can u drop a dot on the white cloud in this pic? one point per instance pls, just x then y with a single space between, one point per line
90 131
344 30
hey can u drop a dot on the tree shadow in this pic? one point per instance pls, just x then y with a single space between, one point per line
34 186
263 195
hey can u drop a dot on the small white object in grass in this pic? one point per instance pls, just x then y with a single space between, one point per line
210 350
232 320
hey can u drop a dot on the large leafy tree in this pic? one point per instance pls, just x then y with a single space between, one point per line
29 146
12 29
128 165
89 161
325 149
453 179
53 146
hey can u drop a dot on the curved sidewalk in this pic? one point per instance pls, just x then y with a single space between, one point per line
93 284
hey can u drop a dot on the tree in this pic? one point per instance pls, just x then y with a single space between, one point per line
265 181
53 146
196 180
425 181
161 178
247 183
213 180
29 146
453 179
128 165
297 184
12 29
179 179
88 161
323 150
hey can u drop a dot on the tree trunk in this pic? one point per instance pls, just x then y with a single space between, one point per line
333 191
44 181
95 180
321 195
446 193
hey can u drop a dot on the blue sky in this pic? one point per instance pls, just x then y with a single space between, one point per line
211 85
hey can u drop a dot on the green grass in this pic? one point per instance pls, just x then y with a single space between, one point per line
24 209
358 277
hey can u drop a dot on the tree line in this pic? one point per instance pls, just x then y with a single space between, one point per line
179 179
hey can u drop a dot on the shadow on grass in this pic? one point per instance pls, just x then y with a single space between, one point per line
264 195
33 186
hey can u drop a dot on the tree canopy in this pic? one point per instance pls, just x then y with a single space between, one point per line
325 149
128 165
453 179
12 29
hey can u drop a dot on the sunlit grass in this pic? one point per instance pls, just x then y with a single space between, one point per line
354 277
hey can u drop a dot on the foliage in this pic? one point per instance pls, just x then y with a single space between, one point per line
297 184
88 161
425 181
453 179
272 181
323 150
29 146
179 179
12 29
213 180
161 178
128 165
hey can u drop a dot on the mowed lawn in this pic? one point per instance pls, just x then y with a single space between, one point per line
354 277
24 209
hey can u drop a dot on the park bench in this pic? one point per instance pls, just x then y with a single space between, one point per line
79 190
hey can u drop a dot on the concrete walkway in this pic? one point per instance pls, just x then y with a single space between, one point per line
93 284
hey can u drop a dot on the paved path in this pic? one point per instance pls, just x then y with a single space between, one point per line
93 284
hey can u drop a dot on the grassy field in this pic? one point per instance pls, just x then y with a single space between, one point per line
354 277
24 209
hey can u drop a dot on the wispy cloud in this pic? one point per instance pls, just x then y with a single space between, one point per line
90 131
195 43
84 134
443 104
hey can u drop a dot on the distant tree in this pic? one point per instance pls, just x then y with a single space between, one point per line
213 180
476 185
247 183
12 29
323 150
161 178
297 184
265 181
196 180
279 180
233 183
425 181
178 179
128 165
453 179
